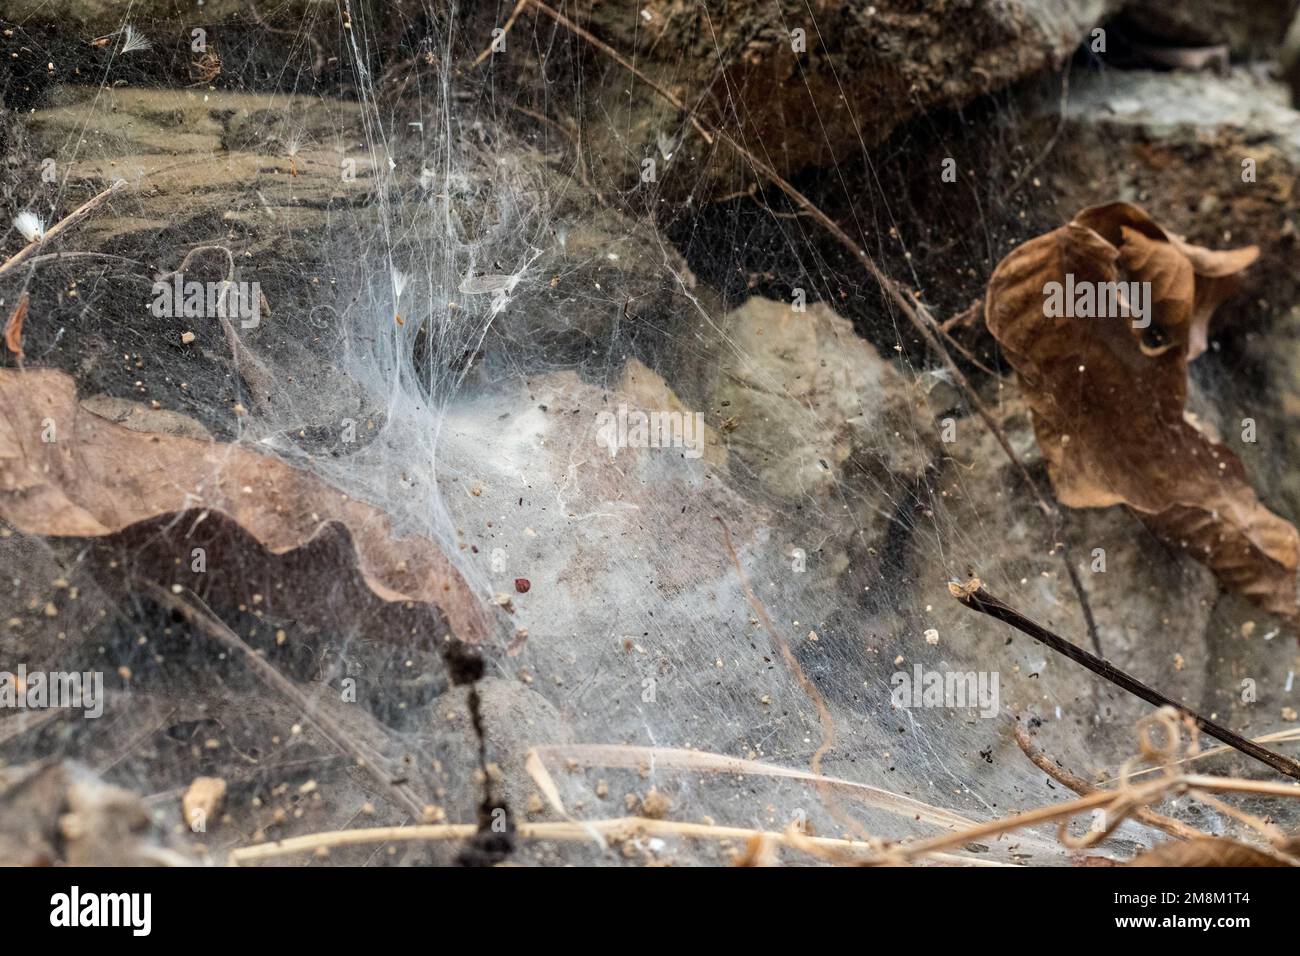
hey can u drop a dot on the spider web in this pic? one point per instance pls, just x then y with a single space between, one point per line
469 271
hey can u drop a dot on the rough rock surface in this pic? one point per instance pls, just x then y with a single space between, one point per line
1251 30
805 395
862 69
62 814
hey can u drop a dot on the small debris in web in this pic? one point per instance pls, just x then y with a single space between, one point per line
464 662
655 805
522 585
202 800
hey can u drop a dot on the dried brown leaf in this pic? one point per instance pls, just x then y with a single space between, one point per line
65 471
1108 398
14 327
1209 851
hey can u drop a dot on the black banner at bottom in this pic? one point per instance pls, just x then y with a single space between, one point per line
336 905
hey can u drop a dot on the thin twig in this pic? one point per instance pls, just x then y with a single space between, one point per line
1272 833
1277 736
1080 786
792 662
574 136
260 381
973 595
840 850
912 851
510 22
65 256
628 756
942 329
966 318
1118 805
64 224
580 830
197 613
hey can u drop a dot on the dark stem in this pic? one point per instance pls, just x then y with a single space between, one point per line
974 596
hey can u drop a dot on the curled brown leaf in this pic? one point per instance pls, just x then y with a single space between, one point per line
1108 391
65 471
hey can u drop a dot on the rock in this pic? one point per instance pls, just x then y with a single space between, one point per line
162 142
645 390
807 399
812 85
1250 29
104 16
62 814
284 186
1289 58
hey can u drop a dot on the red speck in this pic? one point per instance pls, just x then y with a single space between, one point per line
522 585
